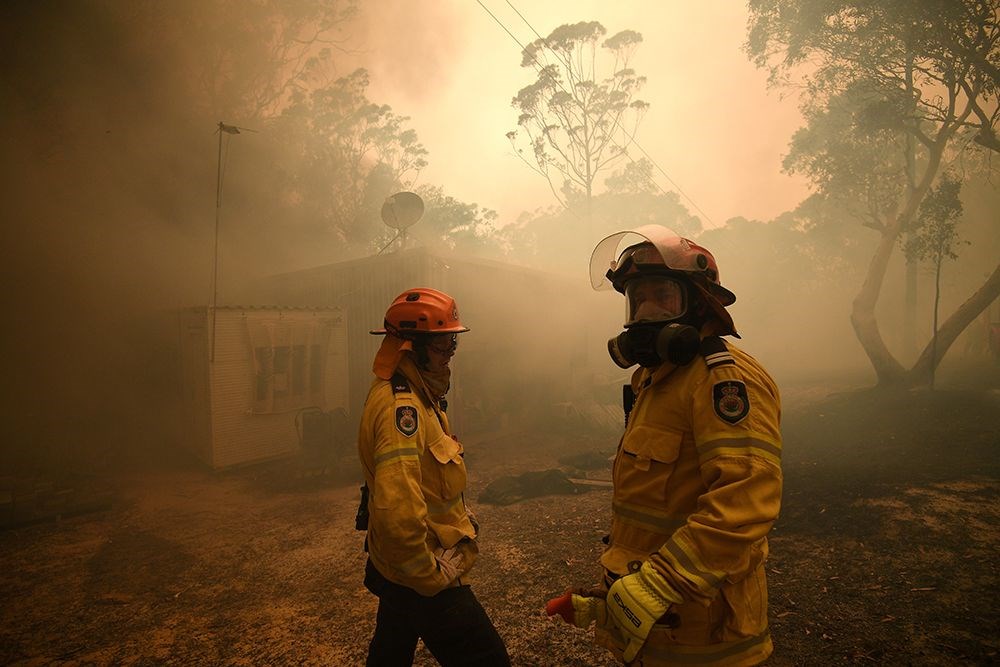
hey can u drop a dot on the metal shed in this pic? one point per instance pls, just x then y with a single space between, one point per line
502 361
250 372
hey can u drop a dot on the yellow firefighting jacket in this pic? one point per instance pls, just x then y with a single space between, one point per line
416 476
697 486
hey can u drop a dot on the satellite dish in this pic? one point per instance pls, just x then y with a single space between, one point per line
402 210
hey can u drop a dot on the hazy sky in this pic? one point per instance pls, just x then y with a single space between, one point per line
713 127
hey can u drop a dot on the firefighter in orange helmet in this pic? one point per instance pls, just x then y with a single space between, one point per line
697 476
421 537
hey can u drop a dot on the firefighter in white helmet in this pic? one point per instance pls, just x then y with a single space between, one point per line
421 537
697 476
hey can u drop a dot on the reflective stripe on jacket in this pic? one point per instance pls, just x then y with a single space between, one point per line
697 486
416 477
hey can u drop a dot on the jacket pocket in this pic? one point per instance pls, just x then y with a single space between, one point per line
449 466
645 463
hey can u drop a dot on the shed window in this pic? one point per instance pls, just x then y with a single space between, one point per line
288 365
288 371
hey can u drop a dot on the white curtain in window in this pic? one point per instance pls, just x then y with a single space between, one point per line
289 363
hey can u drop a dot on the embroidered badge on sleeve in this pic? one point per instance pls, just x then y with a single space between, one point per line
406 420
730 400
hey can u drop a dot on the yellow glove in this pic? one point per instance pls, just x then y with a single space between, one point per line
635 603
580 608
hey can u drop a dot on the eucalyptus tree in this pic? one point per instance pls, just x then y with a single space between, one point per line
578 117
893 93
935 240
343 155
243 60
550 238
457 225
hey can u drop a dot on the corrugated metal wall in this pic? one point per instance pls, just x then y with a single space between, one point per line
375 284
516 315
525 349
364 288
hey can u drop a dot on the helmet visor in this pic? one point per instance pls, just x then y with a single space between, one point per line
654 299
616 252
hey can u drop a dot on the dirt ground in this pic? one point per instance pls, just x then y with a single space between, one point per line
886 551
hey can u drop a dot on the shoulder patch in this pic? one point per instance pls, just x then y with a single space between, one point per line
406 420
730 400
399 384
715 353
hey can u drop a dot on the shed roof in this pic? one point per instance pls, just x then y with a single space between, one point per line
201 308
420 251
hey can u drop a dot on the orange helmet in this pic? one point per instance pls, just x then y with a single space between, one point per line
421 311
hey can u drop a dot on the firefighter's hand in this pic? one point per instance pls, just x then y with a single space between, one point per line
635 603
579 607
450 562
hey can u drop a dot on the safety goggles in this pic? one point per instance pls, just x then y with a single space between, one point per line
443 343
654 299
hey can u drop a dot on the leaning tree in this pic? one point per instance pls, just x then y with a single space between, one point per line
894 92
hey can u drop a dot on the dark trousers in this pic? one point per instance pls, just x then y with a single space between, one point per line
453 625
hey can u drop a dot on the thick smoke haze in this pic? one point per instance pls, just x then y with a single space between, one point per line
180 483
713 126
109 173
108 194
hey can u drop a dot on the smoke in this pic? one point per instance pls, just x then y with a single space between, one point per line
109 172
108 191
408 52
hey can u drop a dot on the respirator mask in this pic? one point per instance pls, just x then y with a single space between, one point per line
655 331
652 344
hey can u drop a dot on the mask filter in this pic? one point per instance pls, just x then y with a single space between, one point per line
651 345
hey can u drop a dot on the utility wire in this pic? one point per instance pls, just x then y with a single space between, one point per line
500 23
523 47
631 137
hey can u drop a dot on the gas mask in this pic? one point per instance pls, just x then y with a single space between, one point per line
652 344
657 326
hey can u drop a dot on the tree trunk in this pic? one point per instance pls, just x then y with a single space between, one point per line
953 326
910 300
887 370
937 308
910 309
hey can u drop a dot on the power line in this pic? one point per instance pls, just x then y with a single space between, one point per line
500 23
523 48
524 19
631 137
